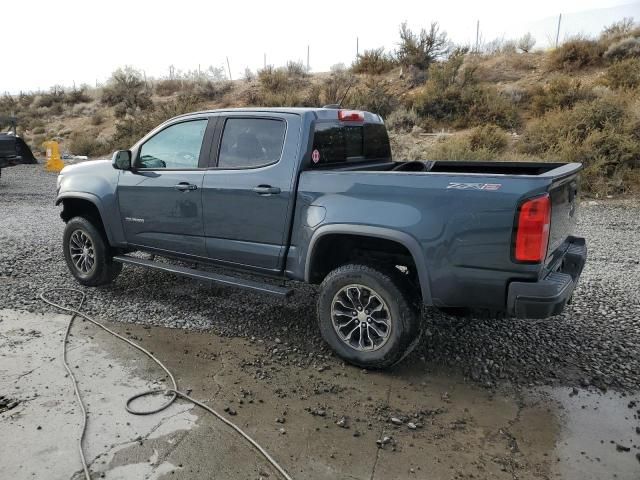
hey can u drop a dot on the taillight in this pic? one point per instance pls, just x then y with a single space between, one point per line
532 234
350 116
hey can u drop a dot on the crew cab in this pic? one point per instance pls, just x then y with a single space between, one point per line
313 195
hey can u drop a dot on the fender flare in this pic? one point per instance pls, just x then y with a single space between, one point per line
404 239
93 199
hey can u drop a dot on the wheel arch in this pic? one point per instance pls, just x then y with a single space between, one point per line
406 241
84 204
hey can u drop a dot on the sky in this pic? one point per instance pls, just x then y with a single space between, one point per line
70 42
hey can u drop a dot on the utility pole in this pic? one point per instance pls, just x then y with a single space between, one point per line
308 69
229 68
265 60
558 32
478 36
357 46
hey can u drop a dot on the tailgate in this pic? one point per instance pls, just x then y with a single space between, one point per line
564 208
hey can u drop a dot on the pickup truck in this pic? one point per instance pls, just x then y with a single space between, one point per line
313 195
13 149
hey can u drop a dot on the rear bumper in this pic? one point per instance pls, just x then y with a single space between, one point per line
548 297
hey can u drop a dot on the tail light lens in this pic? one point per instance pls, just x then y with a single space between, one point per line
350 116
532 234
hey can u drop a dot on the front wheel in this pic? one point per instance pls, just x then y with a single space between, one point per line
367 315
87 253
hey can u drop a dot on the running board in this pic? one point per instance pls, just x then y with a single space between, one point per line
206 276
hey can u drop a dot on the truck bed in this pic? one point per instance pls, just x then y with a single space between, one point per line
461 213
455 166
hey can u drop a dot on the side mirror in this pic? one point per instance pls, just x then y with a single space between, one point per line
122 160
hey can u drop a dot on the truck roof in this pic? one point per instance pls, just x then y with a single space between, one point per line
321 113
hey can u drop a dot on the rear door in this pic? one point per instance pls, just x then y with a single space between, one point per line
161 198
248 193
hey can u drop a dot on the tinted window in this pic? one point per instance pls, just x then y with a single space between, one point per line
339 143
177 146
251 142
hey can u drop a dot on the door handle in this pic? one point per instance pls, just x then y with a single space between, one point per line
266 190
184 186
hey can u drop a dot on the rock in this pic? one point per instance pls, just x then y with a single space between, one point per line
282 431
396 421
412 426
622 448
280 420
342 422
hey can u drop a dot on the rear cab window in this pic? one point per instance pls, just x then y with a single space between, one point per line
251 142
336 143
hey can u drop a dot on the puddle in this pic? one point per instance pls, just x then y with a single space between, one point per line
46 422
593 424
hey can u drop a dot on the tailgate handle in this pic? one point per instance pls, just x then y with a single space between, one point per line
266 190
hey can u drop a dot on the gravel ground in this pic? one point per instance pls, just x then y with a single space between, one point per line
595 342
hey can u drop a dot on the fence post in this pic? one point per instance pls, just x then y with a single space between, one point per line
558 32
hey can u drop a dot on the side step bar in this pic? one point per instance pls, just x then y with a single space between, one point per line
206 276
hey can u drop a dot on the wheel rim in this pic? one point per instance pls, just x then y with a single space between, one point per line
361 318
82 252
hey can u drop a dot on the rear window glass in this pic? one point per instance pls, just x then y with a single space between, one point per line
338 143
251 142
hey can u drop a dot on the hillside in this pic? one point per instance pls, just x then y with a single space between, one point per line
579 102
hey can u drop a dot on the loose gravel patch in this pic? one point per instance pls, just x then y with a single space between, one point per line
595 342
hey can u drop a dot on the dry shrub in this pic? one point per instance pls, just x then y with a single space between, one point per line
273 79
453 95
168 87
402 120
86 143
526 43
422 49
54 96
127 92
623 74
77 95
374 96
602 134
625 48
575 54
457 147
97 119
296 69
373 62
561 91
488 137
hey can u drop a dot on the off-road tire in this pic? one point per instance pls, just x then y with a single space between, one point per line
104 269
396 293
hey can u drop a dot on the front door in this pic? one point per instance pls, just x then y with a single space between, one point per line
247 196
161 198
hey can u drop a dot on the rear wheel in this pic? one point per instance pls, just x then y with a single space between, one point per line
87 253
367 315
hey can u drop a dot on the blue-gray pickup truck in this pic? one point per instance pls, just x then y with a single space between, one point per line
313 195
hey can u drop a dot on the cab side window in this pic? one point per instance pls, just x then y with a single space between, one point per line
175 147
251 142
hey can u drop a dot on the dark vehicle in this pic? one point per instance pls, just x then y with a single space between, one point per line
312 194
13 149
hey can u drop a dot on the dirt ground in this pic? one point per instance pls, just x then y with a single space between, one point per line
320 421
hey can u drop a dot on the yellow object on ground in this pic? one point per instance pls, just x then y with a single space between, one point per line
54 160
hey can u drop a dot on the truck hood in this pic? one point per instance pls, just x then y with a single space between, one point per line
97 166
